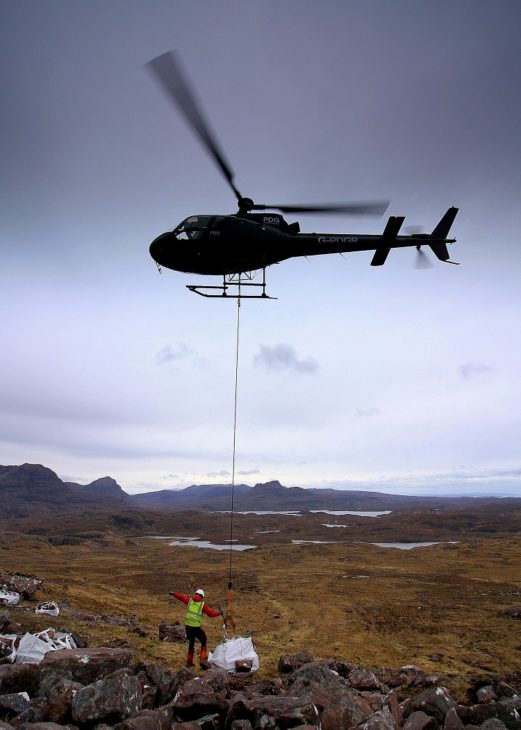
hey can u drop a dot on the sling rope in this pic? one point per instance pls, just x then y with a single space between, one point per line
230 574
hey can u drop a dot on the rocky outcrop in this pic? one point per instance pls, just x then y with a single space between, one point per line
106 688
25 585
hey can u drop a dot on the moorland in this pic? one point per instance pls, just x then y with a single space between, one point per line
312 581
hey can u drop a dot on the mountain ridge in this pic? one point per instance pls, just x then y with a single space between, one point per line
29 488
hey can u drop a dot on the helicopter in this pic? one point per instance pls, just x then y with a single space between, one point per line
237 246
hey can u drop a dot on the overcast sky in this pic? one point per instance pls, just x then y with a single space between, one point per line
391 377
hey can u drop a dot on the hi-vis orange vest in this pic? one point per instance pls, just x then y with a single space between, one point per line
194 613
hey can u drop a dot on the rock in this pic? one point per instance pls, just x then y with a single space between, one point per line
25 585
364 679
291 662
486 694
409 676
241 725
115 697
243 665
19 678
435 701
509 712
375 700
13 704
476 714
197 698
59 692
493 724
340 667
148 720
85 665
452 720
311 674
5 725
36 712
341 706
381 720
44 726
418 720
174 633
273 712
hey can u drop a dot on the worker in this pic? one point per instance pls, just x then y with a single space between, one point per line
193 621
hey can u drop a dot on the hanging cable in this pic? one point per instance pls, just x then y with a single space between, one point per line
230 573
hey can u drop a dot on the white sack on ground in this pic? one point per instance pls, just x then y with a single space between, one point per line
10 597
33 647
232 650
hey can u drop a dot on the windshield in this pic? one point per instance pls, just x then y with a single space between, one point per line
192 228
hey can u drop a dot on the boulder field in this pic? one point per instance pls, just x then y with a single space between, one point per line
103 688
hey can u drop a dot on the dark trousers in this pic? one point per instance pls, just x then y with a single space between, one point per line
193 633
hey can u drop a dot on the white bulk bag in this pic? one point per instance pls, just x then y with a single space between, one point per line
227 653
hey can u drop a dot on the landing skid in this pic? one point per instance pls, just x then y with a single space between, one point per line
235 283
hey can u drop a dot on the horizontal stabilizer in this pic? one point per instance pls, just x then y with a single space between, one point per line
388 237
379 256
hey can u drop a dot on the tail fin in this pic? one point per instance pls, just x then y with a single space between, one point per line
441 232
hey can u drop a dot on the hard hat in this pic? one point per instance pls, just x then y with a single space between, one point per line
200 592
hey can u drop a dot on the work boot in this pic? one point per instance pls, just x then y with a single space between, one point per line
203 663
190 659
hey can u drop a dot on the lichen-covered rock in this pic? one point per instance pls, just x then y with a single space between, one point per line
291 662
160 719
364 679
59 693
273 712
435 701
381 720
113 698
13 704
486 694
174 633
85 665
310 675
409 676
494 723
197 698
25 585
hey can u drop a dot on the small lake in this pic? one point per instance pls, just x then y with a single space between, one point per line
297 513
356 513
408 545
198 543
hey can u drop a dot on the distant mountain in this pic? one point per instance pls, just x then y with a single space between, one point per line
104 487
273 496
31 488
197 495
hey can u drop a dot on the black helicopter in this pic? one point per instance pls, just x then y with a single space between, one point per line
237 245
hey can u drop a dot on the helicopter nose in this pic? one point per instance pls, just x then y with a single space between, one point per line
158 247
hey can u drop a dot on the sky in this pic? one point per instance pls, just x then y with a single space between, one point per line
389 378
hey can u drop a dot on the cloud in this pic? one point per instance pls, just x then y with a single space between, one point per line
214 474
367 412
248 472
173 353
284 357
471 370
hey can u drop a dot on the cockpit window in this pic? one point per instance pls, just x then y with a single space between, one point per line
193 228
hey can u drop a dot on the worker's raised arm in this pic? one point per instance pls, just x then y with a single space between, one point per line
210 612
180 596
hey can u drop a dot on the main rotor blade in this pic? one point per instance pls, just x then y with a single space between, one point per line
168 72
369 208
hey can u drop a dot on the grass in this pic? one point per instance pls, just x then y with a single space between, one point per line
438 607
